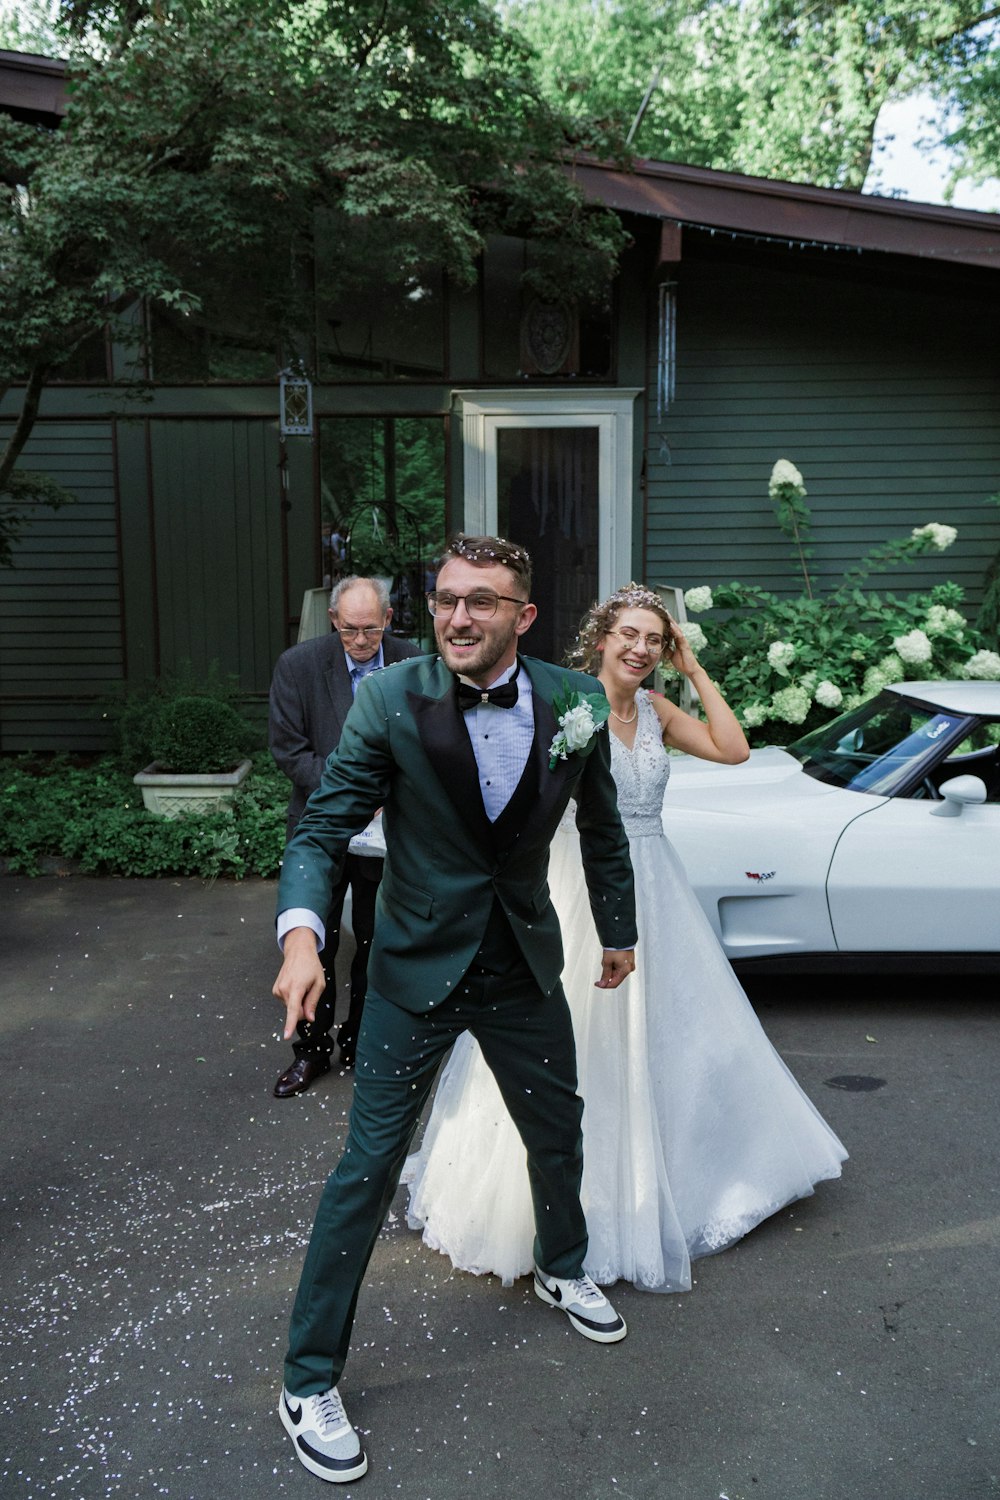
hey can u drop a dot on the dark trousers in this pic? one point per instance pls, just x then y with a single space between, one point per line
527 1040
362 875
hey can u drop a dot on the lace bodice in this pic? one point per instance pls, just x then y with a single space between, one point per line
641 773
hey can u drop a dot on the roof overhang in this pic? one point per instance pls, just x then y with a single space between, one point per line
794 212
33 88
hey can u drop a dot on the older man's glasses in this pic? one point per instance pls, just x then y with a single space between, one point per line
653 643
481 604
351 632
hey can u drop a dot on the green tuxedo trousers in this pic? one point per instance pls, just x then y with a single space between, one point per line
527 1039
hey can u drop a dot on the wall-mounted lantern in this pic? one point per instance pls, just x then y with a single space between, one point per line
296 404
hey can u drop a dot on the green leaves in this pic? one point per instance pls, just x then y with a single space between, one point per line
204 139
767 87
93 815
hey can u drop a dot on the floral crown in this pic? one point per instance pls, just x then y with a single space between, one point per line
635 596
495 549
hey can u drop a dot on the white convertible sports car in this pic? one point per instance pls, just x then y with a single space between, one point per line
873 842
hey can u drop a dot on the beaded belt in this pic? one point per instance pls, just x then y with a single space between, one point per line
642 825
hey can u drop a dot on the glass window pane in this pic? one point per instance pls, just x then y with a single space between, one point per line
383 506
88 362
547 491
218 343
375 320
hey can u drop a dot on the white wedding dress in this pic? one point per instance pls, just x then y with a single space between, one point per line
694 1130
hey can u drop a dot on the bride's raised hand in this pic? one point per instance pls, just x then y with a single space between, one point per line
682 658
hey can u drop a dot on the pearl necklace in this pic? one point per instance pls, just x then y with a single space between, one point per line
635 710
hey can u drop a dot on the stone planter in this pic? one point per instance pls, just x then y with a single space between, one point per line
169 794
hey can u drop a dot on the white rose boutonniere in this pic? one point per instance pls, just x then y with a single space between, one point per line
580 716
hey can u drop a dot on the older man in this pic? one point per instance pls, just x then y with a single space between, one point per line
311 692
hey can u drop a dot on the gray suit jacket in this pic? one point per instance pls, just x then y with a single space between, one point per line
310 699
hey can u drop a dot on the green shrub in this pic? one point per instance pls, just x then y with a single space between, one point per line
137 713
193 735
93 815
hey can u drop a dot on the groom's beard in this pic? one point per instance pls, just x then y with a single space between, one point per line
480 660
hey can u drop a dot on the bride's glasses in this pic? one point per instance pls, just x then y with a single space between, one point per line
653 643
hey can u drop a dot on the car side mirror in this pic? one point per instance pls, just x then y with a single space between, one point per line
959 792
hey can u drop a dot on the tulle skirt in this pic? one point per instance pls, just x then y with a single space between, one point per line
694 1129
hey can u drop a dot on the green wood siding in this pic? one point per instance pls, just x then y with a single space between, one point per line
217 534
61 646
885 395
194 574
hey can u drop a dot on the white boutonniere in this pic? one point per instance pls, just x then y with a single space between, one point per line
580 716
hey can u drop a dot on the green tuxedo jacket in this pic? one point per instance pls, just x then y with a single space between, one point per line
405 748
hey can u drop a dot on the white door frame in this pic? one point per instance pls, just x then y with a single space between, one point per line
483 413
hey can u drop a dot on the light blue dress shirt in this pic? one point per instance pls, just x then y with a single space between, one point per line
501 741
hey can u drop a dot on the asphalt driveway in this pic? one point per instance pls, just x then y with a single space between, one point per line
156 1200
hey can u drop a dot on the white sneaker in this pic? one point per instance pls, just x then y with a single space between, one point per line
325 1442
584 1304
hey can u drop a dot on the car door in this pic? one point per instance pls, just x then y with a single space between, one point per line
903 879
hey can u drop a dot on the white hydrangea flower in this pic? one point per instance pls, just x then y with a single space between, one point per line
695 636
942 536
785 472
754 715
944 621
889 669
791 704
892 668
780 655
828 694
699 598
914 648
984 666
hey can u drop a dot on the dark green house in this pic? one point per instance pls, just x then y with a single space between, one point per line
751 321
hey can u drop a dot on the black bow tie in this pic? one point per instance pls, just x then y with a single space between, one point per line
502 696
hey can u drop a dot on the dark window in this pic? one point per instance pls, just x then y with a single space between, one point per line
547 499
221 342
89 362
375 319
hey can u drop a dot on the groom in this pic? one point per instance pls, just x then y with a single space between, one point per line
456 748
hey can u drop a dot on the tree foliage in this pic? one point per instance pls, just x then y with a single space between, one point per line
772 88
203 137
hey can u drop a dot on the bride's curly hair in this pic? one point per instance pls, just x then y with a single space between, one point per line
600 618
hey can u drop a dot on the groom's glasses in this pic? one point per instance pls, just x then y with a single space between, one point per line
481 605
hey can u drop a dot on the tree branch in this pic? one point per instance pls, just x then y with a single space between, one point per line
969 24
25 422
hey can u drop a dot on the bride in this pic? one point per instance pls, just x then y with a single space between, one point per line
694 1130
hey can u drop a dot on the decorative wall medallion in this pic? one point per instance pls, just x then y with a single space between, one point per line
548 334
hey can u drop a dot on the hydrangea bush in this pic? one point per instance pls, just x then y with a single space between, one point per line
788 665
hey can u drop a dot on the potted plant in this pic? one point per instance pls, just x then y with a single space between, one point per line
200 749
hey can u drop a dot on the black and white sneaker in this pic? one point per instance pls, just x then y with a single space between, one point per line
324 1439
584 1304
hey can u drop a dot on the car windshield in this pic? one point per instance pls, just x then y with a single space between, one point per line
883 747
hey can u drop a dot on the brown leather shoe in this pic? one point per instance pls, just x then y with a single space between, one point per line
297 1078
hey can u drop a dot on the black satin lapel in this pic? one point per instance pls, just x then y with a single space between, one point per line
449 749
